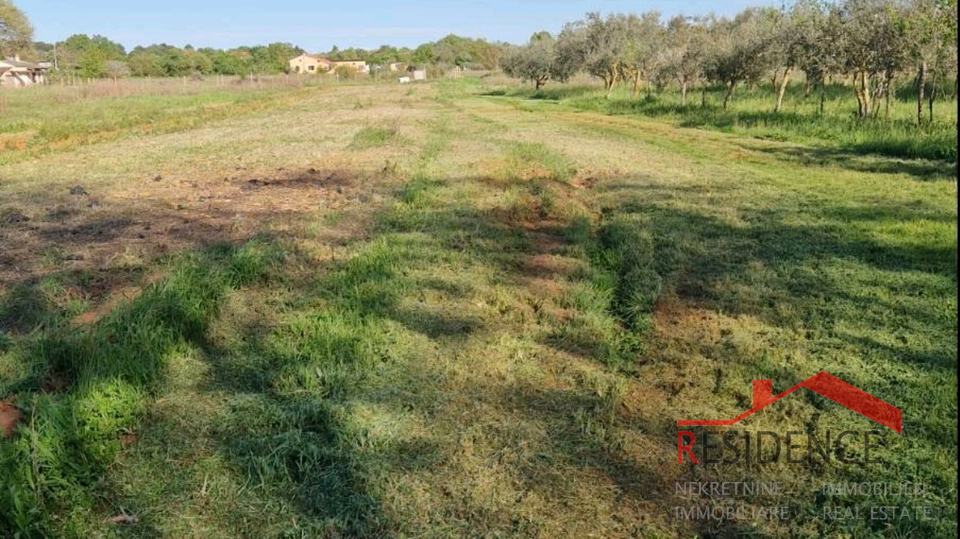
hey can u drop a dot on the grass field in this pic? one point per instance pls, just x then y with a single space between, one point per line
434 311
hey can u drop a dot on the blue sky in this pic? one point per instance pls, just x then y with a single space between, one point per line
318 25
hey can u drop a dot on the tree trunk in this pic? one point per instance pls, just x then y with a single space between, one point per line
823 96
703 96
865 79
613 82
636 84
783 88
539 83
861 85
683 94
877 98
921 86
933 96
856 91
886 98
728 95
806 88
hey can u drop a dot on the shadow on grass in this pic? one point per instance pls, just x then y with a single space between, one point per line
920 169
872 308
556 93
824 271
290 430
84 386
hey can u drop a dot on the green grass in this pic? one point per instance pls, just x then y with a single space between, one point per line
751 113
372 136
105 375
44 118
496 340
534 158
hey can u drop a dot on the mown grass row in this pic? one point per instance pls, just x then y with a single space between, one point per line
614 298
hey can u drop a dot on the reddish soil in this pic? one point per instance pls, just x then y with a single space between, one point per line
10 417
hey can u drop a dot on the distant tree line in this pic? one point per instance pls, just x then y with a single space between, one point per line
99 57
868 43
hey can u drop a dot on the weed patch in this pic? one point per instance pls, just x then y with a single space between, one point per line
534 160
372 137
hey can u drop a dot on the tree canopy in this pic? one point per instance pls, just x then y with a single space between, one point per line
870 42
16 33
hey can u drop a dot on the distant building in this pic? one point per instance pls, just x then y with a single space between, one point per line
310 64
16 73
397 66
359 65
420 74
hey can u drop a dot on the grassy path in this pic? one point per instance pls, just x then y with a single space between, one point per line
448 315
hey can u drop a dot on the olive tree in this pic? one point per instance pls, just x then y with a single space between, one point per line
932 42
816 43
740 49
643 47
596 45
787 45
536 61
873 44
685 45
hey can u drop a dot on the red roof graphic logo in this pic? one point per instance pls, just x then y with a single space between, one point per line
826 385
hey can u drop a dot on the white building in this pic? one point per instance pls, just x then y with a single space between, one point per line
16 73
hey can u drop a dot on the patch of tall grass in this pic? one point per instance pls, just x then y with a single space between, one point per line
528 159
614 299
374 136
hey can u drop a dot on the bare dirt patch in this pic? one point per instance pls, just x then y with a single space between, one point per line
581 181
97 252
338 180
116 297
10 417
142 222
683 326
